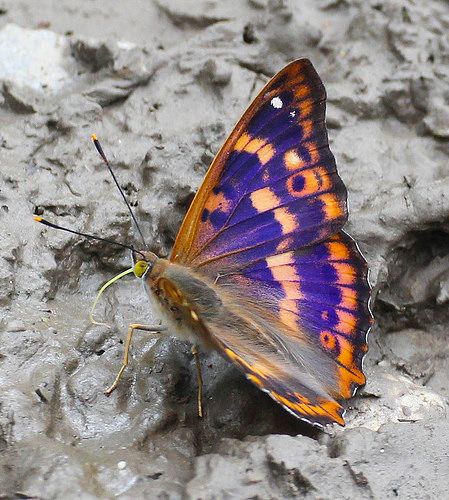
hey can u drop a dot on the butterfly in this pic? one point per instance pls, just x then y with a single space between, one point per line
261 270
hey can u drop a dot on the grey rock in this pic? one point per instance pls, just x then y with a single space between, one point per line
93 54
18 98
34 67
74 111
193 13
414 350
216 74
372 459
407 97
258 4
36 60
15 326
437 123
388 393
362 464
443 288
7 286
272 467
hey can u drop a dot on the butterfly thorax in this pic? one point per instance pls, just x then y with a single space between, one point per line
181 295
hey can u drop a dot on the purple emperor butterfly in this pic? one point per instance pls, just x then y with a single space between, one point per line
260 270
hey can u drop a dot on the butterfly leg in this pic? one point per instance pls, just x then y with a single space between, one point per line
199 379
132 327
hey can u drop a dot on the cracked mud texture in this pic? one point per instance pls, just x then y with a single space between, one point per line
162 83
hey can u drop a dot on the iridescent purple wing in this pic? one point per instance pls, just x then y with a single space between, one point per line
274 185
266 224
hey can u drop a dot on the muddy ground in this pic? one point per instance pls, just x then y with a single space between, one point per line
161 83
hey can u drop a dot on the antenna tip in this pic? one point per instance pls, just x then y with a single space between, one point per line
37 218
93 137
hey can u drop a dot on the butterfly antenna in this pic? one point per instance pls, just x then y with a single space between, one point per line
103 156
84 235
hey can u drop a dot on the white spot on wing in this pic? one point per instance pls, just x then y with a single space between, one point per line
292 114
277 103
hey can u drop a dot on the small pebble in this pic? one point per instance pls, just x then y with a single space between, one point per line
406 411
121 465
15 326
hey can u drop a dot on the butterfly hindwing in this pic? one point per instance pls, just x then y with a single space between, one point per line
278 358
323 292
288 391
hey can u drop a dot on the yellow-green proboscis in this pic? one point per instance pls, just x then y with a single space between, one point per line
138 269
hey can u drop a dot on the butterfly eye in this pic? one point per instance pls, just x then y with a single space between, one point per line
139 268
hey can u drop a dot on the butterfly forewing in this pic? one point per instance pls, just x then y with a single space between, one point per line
273 185
266 225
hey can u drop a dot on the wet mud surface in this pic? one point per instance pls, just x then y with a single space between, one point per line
161 83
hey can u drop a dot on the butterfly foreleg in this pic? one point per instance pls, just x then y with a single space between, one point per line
199 378
132 327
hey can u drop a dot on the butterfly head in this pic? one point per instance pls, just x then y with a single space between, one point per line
143 262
